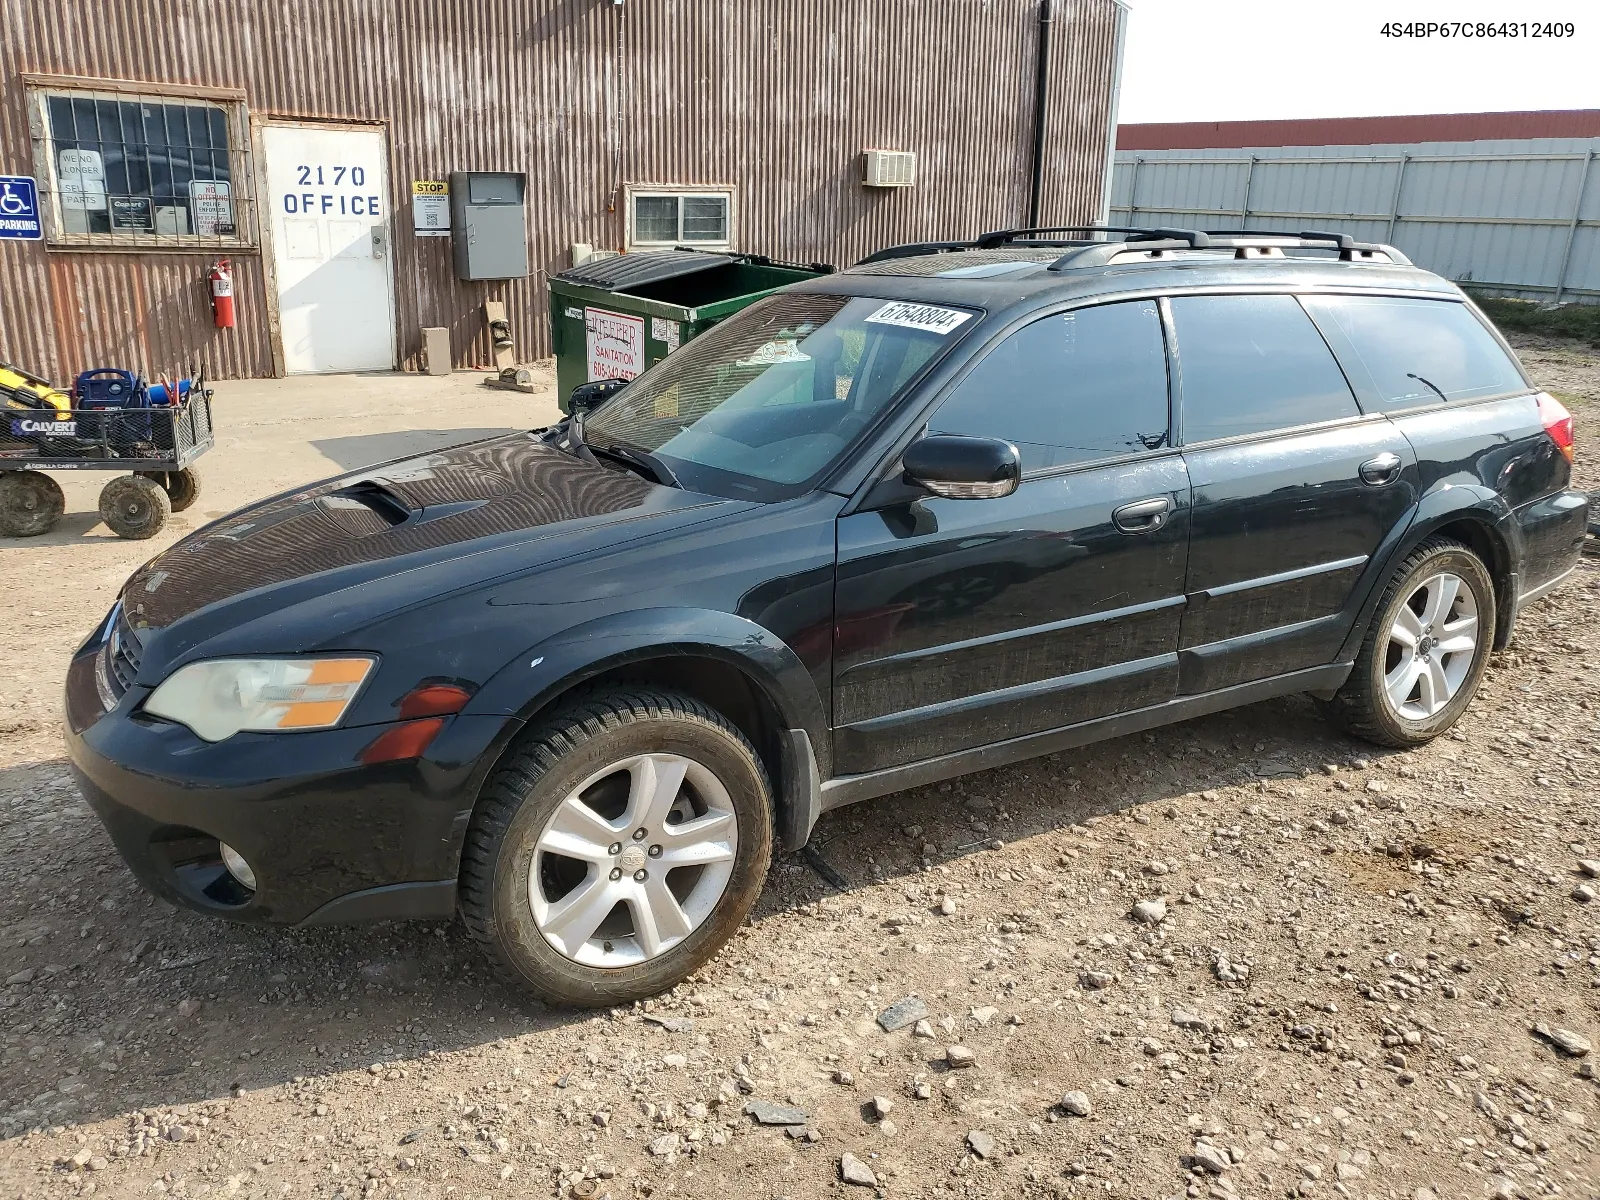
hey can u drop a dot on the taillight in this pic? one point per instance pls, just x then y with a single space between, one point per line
1557 422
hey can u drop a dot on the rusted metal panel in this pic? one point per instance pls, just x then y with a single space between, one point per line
774 99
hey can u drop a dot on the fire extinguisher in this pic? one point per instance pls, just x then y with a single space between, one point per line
221 279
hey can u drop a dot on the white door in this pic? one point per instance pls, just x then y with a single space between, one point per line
328 200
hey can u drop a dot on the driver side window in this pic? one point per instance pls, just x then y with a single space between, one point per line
1070 388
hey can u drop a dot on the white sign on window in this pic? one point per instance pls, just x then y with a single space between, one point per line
212 201
82 175
616 344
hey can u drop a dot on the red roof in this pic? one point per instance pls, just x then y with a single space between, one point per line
1361 131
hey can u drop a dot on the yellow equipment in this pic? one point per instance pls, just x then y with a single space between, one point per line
21 390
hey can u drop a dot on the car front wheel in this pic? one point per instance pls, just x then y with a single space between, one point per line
618 848
1425 652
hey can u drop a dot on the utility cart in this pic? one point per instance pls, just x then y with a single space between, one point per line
152 448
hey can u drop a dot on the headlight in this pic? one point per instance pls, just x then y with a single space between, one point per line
225 696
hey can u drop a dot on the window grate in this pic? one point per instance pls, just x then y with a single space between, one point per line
142 170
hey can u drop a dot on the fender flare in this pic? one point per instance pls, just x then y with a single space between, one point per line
548 668
1447 504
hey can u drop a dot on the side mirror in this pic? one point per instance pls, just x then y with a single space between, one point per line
963 468
587 396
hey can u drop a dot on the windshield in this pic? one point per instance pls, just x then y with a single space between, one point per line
760 405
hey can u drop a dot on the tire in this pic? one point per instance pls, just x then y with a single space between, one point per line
1370 704
30 503
598 746
134 507
182 487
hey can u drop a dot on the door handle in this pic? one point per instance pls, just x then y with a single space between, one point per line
1381 470
1143 516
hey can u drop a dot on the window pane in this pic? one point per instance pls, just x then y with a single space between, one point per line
125 166
1253 363
1076 387
1411 347
655 218
705 218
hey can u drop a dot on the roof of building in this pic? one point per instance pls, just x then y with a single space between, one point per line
1361 131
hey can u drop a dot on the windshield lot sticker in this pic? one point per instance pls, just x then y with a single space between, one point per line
928 317
615 343
783 350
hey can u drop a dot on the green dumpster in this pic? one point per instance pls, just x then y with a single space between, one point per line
613 317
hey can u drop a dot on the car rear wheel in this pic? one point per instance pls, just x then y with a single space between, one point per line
30 503
1425 652
618 848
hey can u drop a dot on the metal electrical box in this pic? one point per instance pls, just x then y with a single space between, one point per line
490 224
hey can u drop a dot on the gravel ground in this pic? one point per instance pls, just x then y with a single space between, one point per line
1239 957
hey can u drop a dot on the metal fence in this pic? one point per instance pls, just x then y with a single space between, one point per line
1512 218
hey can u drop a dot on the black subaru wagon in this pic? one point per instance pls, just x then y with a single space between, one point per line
962 504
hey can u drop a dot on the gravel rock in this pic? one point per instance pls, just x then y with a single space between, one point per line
1093 981
1590 867
959 1057
24 976
1212 1158
922 1029
1150 912
665 1146
1569 1043
671 1024
980 1143
880 1106
902 1013
947 907
1077 1104
767 1113
985 1014
1583 893
1184 1019
853 1170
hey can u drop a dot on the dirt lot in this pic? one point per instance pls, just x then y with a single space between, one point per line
1340 998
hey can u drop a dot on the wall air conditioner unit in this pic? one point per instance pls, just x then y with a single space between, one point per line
889 168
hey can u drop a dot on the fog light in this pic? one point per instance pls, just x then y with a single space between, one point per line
237 867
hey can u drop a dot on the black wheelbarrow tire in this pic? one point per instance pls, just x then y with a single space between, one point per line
182 487
134 507
30 503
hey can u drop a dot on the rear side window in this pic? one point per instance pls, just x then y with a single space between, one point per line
1416 351
1252 364
1070 388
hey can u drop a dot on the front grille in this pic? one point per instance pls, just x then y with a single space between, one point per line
123 650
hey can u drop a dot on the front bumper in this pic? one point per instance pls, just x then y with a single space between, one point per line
328 838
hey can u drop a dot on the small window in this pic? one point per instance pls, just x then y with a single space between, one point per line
661 218
1418 351
1252 364
120 169
1076 387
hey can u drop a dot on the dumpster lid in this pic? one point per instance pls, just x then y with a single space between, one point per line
634 270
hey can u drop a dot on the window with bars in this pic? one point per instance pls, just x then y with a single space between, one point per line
136 170
660 217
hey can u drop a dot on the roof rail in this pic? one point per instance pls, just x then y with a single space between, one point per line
1156 242
1154 239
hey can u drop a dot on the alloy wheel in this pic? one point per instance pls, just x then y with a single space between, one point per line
1432 643
633 860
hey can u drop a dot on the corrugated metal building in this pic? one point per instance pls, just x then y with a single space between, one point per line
164 134
1508 202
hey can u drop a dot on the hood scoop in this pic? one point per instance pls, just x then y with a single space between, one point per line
371 506
374 496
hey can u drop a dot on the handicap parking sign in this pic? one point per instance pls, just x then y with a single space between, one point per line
19 209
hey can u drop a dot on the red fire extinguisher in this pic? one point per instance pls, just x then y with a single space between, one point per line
221 278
